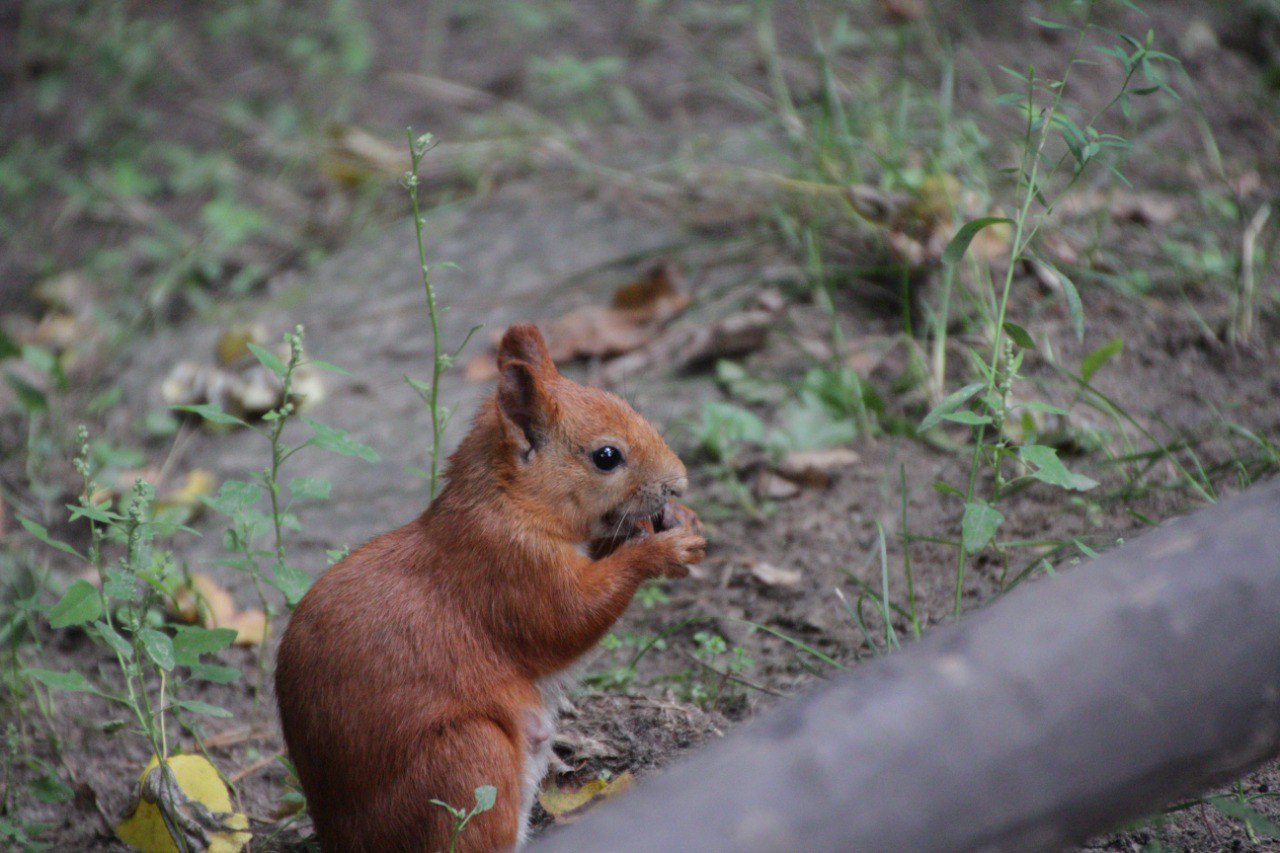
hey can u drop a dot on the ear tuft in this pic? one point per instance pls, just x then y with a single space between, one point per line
523 342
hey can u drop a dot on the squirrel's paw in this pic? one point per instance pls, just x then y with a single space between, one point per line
678 515
684 547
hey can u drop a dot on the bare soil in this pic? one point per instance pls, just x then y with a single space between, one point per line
539 241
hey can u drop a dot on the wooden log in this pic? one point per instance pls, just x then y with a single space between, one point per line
1058 712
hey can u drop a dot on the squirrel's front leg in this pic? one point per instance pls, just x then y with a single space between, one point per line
605 586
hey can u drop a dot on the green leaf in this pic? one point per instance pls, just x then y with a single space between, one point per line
486 796
81 603
71 682
310 489
332 368
947 489
119 584
1099 357
189 643
338 441
960 243
269 360
234 497
93 512
212 413
1020 336
949 404
42 533
1049 468
292 581
967 418
1256 821
195 706
159 648
215 673
1052 25
112 638
31 398
980 522
8 349
50 789
1037 406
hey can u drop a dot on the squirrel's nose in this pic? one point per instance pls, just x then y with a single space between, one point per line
676 488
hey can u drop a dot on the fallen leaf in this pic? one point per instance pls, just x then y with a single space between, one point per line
771 486
1142 208
185 498
206 603
233 343
68 292
770 575
566 805
636 315
239 385
816 468
685 348
250 627
189 800
903 11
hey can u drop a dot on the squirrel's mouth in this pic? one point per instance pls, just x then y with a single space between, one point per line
620 527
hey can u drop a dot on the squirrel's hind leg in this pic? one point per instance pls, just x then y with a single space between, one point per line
466 755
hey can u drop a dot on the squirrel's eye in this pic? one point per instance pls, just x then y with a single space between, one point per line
607 458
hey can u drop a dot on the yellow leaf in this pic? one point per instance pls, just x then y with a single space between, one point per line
250 627
198 807
211 606
566 805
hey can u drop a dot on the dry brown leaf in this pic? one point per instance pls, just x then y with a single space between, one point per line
816 468
903 11
637 313
566 805
687 347
1142 208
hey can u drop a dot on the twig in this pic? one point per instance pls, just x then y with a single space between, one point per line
265 761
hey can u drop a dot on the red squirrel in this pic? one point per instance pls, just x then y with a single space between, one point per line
432 660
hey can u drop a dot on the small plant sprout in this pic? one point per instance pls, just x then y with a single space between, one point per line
486 796
441 360
238 499
124 614
1042 178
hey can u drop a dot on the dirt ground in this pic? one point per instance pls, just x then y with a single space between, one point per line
542 235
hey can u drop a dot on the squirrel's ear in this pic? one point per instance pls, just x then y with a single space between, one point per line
523 342
524 404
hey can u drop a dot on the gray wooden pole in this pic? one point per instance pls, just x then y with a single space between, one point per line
1060 711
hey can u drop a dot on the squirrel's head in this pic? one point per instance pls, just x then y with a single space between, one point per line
575 452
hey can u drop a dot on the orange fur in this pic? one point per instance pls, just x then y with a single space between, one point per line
411 670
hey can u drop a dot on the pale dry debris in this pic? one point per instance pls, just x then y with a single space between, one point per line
816 468
771 486
770 575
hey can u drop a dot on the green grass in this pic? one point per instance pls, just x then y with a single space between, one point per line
885 187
